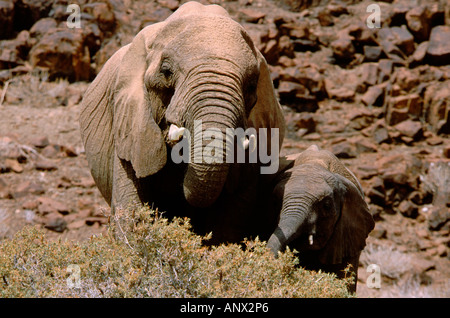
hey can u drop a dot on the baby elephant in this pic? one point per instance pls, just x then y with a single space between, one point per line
323 212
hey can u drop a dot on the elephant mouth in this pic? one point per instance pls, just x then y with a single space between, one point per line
310 242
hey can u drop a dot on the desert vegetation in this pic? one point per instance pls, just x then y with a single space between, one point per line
149 256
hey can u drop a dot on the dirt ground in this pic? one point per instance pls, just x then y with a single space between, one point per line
46 180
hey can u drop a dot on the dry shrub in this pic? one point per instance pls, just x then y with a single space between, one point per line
148 256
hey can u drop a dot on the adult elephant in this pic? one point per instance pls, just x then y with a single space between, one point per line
196 65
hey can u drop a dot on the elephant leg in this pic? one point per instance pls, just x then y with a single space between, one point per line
125 186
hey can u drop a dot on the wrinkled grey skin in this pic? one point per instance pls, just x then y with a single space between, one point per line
322 213
198 64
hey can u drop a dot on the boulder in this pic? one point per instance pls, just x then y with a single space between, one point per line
419 54
437 107
42 26
418 21
400 108
297 96
374 96
372 53
410 128
62 53
343 48
103 15
438 52
408 209
396 41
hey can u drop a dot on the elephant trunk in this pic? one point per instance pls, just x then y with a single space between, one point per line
215 107
293 222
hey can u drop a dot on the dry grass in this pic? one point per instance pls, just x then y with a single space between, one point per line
155 258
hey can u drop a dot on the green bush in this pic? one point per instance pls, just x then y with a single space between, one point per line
148 256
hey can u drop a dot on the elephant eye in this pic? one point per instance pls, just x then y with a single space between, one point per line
165 69
327 204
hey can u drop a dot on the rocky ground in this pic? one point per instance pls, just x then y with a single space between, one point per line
378 98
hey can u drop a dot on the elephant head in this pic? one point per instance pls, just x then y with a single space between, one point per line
197 65
321 209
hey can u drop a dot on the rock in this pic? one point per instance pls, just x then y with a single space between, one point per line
385 67
251 15
410 128
372 53
369 74
377 192
363 145
270 52
374 96
13 165
325 18
27 187
400 108
170 4
380 133
438 217
309 77
103 14
6 18
62 53
14 52
306 121
45 165
343 48
69 151
95 219
379 231
419 23
42 26
39 141
438 52
30 205
436 107
76 224
337 91
51 151
55 223
420 53
285 46
360 118
296 96
408 209
48 206
344 149
399 170
394 39
446 151
406 79
4 189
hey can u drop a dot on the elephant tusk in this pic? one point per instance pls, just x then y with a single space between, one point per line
250 142
175 132
311 239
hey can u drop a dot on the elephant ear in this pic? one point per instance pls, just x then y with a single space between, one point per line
96 124
137 137
352 227
267 112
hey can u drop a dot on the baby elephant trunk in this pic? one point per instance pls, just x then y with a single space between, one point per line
289 228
